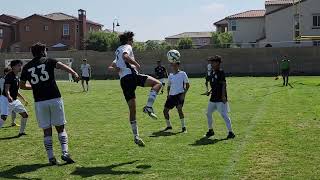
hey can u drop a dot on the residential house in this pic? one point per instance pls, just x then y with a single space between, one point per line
199 39
283 23
58 30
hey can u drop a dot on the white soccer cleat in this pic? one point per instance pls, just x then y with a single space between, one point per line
150 112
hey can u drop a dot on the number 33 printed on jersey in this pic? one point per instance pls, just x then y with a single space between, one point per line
43 76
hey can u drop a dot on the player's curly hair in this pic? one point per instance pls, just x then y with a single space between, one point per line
215 58
38 50
125 37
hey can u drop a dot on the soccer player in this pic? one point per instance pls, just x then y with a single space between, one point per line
219 98
208 77
285 70
85 74
178 86
161 73
9 97
2 80
126 65
49 108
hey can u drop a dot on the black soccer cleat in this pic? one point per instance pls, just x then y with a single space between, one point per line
231 135
150 112
184 130
209 133
167 129
53 161
66 157
22 134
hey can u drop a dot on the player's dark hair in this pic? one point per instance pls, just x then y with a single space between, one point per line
38 50
125 37
215 58
6 70
15 62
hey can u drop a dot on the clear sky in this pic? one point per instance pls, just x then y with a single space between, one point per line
149 19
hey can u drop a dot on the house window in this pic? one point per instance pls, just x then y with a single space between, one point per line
1 33
77 28
316 20
66 30
233 25
316 43
90 28
27 28
46 28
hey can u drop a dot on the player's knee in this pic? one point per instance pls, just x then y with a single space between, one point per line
25 115
47 132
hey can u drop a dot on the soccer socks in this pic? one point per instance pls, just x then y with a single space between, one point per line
168 123
13 117
183 123
152 97
23 125
63 138
1 123
48 146
134 128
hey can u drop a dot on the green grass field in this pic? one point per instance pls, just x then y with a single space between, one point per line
277 132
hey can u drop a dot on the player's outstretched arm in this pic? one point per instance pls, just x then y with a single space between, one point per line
113 66
67 69
23 85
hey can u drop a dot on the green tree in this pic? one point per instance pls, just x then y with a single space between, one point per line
102 41
215 40
185 43
225 39
139 46
152 45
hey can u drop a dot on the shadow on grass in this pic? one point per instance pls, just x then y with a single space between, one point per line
206 141
9 138
164 134
14 171
86 172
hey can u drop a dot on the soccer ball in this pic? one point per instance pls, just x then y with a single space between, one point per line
173 56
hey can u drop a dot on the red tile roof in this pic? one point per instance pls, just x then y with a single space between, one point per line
62 16
4 24
248 14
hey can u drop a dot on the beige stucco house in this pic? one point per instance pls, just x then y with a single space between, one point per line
199 39
283 23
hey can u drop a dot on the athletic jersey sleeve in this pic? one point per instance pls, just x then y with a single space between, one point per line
24 74
127 49
9 79
52 63
222 77
186 79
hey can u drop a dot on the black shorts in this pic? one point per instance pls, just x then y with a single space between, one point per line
174 101
285 72
129 84
85 78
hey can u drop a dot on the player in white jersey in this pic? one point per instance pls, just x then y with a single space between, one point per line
130 79
178 86
85 74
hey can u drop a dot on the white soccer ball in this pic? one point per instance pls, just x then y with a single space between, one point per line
173 56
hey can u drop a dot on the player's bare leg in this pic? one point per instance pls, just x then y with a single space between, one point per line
87 82
133 122
13 119
181 115
24 119
167 117
82 83
63 138
48 145
155 88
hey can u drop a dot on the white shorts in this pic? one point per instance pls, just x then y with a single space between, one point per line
6 107
50 113
221 107
162 80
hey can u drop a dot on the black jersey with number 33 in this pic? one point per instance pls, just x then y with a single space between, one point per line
40 74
